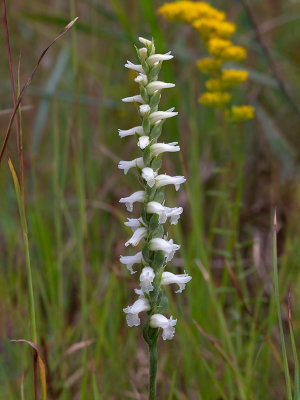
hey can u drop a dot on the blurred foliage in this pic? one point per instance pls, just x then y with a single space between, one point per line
237 174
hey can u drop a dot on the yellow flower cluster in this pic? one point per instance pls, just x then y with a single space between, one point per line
189 11
215 32
215 99
211 27
227 81
240 113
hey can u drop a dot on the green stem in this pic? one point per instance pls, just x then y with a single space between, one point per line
153 369
27 253
277 300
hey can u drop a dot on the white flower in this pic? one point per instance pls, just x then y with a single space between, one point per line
135 67
167 246
158 85
144 109
160 321
159 148
132 131
134 223
153 207
126 165
143 52
134 99
141 78
149 175
159 57
132 317
130 260
144 41
173 214
146 279
138 196
163 180
137 236
159 115
143 142
167 278
140 293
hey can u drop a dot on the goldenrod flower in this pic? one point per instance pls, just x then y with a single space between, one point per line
209 65
240 113
233 76
209 28
215 32
215 99
189 11
228 80
216 85
216 46
234 53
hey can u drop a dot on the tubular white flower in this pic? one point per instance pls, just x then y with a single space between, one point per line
144 41
126 165
143 142
159 115
137 236
143 52
158 58
132 131
149 175
167 325
174 214
135 67
134 223
138 196
146 278
181 280
144 109
158 85
142 79
129 261
134 99
159 148
140 293
163 180
167 246
132 317
153 207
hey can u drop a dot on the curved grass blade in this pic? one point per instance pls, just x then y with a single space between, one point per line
39 360
28 82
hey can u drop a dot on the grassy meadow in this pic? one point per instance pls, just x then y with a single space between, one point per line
228 342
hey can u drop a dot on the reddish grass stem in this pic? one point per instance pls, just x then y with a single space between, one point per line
12 81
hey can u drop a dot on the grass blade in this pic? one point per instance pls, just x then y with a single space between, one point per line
28 82
277 300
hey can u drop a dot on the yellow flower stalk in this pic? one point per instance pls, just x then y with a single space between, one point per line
216 46
208 28
234 53
216 33
215 99
189 11
209 65
228 80
240 113
233 76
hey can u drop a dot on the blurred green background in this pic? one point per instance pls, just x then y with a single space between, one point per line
236 176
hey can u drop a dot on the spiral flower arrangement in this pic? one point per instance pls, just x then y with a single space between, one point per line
158 249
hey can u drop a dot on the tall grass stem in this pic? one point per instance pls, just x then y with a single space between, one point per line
27 252
277 300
